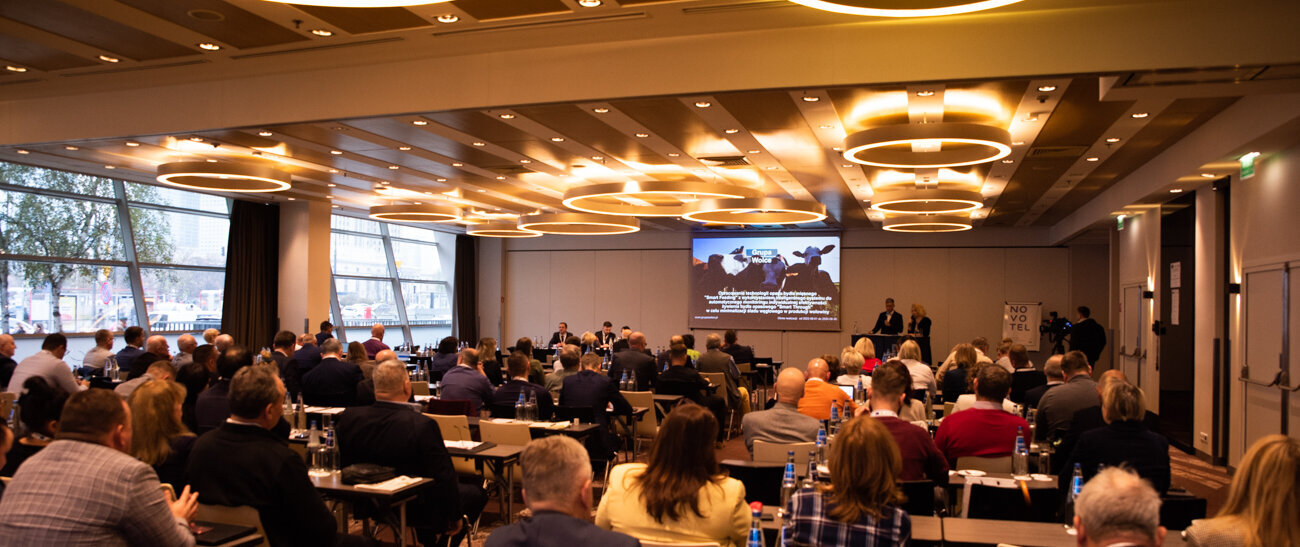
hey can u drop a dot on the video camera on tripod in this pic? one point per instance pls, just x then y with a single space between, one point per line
1056 329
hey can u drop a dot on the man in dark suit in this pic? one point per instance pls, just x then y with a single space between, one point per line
326 332
605 338
245 463
557 476
1087 336
1055 377
134 337
559 336
7 363
635 361
156 349
213 405
739 353
509 392
282 354
682 380
714 360
590 388
393 433
889 321
1123 437
333 382
309 355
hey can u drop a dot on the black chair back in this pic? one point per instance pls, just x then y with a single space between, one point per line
920 497
450 407
989 502
584 414
502 410
762 481
688 390
1178 511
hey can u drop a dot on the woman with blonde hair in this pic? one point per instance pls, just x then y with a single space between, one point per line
158 437
860 506
1262 500
922 377
487 356
357 354
681 495
868 351
958 379
920 323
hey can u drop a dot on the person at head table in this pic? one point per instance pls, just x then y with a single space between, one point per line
889 321
559 336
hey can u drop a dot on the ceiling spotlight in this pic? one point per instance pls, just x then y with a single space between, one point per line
753 151
507 116
1113 140
196 139
1046 88
479 143
441 180
322 32
589 3
673 155
457 164
1207 175
1008 161
264 133
557 139
393 167
334 206
448 18
132 144
598 158
336 152
12 68
811 98
23 152
403 148
600 110
826 126
1017 143
1140 115
225 176
108 59
71 148
525 161
772 168
419 122
501 178
1176 191
703 104
208 46
110 167
1093 158
925 93
642 135
731 131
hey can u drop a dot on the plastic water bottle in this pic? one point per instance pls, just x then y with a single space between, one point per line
756 525
821 446
520 412
1076 482
622 383
300 416
835 418
859 394
631 383
810 480
787 481
530 407
1020 458
332 448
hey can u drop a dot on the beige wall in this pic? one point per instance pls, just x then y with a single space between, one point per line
304 284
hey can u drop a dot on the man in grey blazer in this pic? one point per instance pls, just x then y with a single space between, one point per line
782 423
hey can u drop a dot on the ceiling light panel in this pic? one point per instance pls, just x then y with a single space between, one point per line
1023 135
766 158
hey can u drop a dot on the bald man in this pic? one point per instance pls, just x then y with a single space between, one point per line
819 393
782 423
635 362
376 342
223 342
185 346
156 349
7 363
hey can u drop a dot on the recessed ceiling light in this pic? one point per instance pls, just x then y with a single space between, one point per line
501 178
71 148
335 206
1008 161
1093 158
754 151
457 164
479 143
419 122
329 197
448 18
525 161
1113 140
642 135
772 168
393 167
264 133
557 139
1017 143
442 180
208 46
600 110
196 139
837 148
132 143
384 182
811 98
1046 88
336 152
598 158
731 131
480 190
24 152
403 148
1208 175
108 59
924 93
291 199
507 116
703 104
12 68
673 155
110 167
1176 191
846 165
826 126
210 160
1140 115
589 3
322 32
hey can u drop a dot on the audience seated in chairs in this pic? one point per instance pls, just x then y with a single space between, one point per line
922 376
509 392
1025 377
445 356
83 489
568 366
393 433
492 368
865 347
683 380
1055 377
592 389
557 489
159 439
986 429
1057 407
863 506
213 407
1091 418
783 423
282 353
1116 508
957 380
636 363
39 408
714 360
333 382
467 381
739 352
1125 440
1262 500
921 459
851 362
158 370
819 394
536 373
196 376
681 495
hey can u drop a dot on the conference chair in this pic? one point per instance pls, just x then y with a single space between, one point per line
720 379
1179 509
419 387
762 480
450 407
243 515
501 410
650 543
985 501
516 434
988 465
456 428
647 427
777 452
924 498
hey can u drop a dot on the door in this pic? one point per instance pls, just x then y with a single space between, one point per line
1175 377
1263 306
1130 349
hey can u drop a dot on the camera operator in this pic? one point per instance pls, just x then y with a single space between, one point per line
1087 336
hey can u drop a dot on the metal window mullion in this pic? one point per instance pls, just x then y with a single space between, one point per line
128 249
178 210
158 266
63 260
57 193
337 311
398 301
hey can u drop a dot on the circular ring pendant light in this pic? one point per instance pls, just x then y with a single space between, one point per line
650 198
500 229
958 143
755 211
926 201
225 176
415 213
927 224
360 3
944 8
578 224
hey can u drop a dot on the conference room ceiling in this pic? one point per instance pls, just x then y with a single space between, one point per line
519 159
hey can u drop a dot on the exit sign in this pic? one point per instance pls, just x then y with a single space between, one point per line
1248 164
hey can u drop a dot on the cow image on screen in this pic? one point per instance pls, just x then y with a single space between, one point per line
765 282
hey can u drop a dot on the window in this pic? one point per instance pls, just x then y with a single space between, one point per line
410 293
181 300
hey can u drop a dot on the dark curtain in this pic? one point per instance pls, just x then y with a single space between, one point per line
466 282
249 313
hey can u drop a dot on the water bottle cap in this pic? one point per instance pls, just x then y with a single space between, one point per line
756 507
